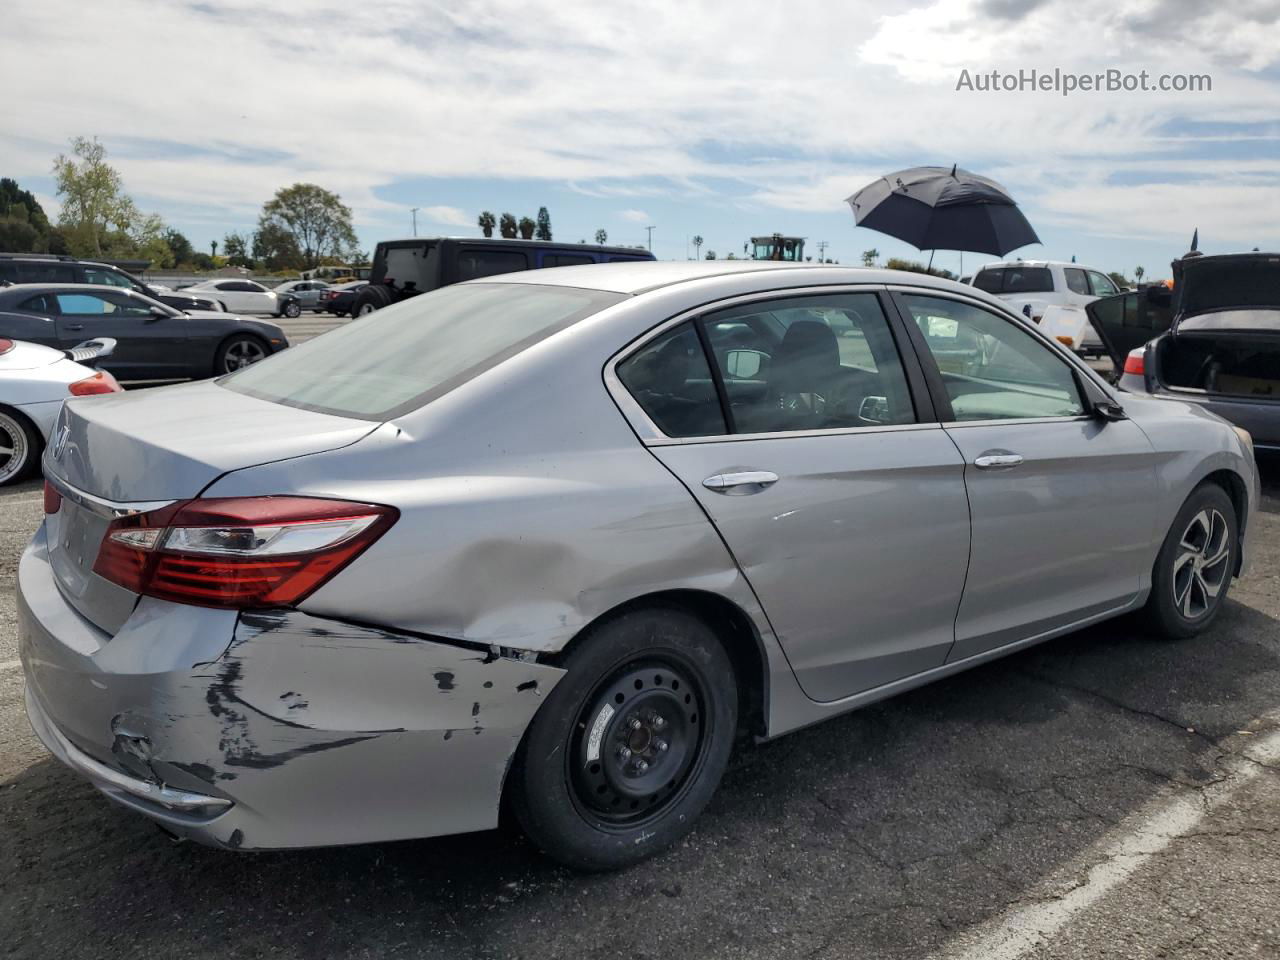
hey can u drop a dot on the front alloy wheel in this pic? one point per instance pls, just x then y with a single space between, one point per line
1195 565
1201 566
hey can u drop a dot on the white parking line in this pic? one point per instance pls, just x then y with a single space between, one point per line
1121 853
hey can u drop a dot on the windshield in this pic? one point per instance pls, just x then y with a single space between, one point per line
403 356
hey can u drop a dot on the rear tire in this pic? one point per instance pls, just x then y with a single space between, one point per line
20 447
371 298
631 744
292 309
1193 571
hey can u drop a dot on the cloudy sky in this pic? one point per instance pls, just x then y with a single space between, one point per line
719 119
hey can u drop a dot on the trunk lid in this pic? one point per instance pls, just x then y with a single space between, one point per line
139 450
21 355
1234 293
1128 320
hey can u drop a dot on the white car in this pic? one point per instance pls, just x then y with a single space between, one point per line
34 380
1051 293
246 296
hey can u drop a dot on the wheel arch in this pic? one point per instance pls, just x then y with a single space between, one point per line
1234 487
734 629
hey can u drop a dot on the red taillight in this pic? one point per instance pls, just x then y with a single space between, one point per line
239 552
5 346
52 498
1136 361
100 382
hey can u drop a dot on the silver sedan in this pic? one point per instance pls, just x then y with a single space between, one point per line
559 539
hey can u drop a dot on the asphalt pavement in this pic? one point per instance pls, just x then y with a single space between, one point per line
1103 795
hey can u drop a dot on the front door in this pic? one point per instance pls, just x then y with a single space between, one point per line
147 346
841 499
1061 502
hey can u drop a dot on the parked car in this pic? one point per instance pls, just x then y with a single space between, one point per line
34 380
308 292
1050 292
249 296
153 341
557 539
341 298
406 268
42 268
1213 341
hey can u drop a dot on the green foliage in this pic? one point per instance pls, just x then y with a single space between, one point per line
1119 279
912 266
697 246
24 228
202 261
527 226
18 236
235 247
507 225
543 230
602 237
317 220
1139 273
179 246
869 257
711 254
486 222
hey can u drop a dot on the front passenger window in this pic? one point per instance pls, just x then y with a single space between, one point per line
991 367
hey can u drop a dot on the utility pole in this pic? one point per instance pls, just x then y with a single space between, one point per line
822 251
414 213
650 229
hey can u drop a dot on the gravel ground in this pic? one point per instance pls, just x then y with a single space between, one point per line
923 826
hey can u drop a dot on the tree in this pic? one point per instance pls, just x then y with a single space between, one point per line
92 199
543 232
711 254
235 247
527 226
507 226
276 249
1139 273
213 248
202 261
24 228
869 257
179 246
914 266
1119 279
697 246
318 221
486 222
602 237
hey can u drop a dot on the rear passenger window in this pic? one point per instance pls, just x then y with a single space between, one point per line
41 304
1076 281
810 363
473 264
671 380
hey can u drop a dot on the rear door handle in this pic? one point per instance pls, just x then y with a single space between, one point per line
726 482
73 326
997 461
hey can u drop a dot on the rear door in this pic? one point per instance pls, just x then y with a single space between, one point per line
811 444
1061 502
1128 320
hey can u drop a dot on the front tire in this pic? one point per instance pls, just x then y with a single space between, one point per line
20 447
292 309
631 744
1196 563
237 352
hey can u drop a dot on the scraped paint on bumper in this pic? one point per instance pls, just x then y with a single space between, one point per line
276 728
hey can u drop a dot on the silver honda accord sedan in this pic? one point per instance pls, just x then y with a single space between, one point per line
557 540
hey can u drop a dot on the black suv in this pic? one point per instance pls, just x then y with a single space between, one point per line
405 268
46 268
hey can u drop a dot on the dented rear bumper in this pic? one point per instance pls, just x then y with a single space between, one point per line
273 729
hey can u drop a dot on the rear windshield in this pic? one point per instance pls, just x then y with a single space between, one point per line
403 356
1014 280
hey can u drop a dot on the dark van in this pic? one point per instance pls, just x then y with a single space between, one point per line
405 268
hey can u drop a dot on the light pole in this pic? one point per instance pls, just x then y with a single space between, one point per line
822 251
650 229
413 211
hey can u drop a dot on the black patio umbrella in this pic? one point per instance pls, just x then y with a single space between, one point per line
933 208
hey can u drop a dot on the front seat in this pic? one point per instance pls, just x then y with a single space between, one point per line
805 376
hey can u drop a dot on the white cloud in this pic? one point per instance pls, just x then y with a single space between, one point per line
770 105
450 216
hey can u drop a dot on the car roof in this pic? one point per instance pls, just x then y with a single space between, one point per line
31 289
1036 263
641 276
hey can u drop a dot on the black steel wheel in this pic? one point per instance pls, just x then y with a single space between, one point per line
630 744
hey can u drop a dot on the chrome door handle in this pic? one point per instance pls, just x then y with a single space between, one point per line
994 461
724 482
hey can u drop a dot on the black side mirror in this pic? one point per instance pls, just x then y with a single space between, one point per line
158 313
1097 401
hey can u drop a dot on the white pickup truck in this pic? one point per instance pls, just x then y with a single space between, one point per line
1052 294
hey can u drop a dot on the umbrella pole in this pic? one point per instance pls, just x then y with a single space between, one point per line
931 253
